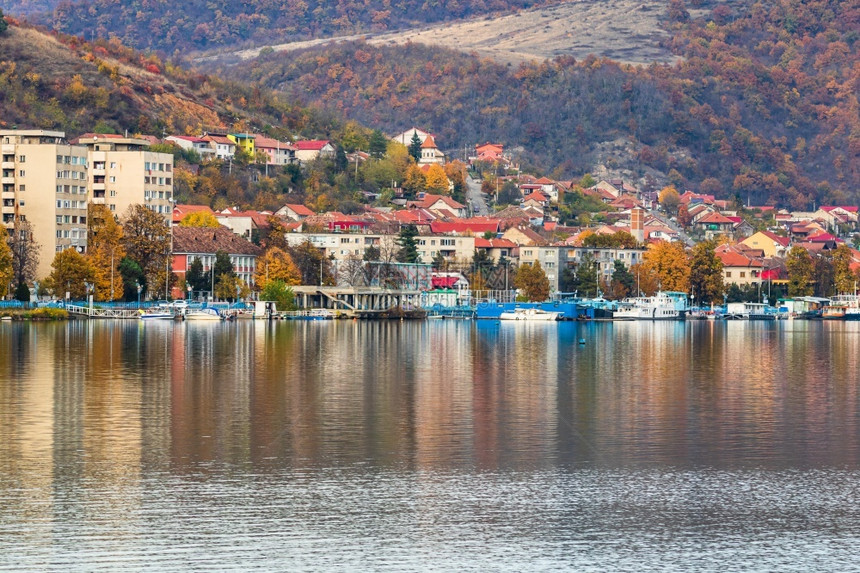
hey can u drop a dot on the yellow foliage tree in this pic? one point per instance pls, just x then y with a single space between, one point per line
276 264
5 266
105 251
436 181
669 199
670 264
200 219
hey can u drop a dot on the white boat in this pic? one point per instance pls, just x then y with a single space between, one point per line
749 311
530 314
203 314
657 307
157 313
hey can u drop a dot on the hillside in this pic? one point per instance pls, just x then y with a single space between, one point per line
763 104
59 82
179 27
624 30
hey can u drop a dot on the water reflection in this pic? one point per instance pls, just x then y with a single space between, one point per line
503 432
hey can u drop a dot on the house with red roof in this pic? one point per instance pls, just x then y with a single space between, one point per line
203 242
247 224
439 202
278 152
294 211
497 248
405 138
536 199
771 244
224 147
714 224
188 142
738 266
489 153
308 150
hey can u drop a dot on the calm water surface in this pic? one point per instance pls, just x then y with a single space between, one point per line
466 446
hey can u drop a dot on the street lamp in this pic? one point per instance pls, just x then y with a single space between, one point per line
90 287
139 288
189 292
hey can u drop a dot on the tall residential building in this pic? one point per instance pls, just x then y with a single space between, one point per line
123 172
44 182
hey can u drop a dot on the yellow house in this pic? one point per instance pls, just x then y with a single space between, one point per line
244 141
771 244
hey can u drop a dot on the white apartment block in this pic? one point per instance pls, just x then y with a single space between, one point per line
44 182
124 173
344 245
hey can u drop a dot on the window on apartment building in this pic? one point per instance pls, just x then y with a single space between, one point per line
344 240
67 204
83 220
59 159
168 167
60 248
74 219
113 164
59 204
59 219
59 234
146 180
59 188
112 179
728 274
550 265
66 219
22 159
146 166
22 173
22 218
112 207
22 187
21 203
113 193
168 181
66 189
743 274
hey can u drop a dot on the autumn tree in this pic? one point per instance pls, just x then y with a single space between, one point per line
669 262
276 265
315 268
105 250
25 253
5 267
435 180
669 199
706 273
3 24
147 242
844 279
415 182
647 280
71 271
532 282
230 287
200 219
800 268
616 240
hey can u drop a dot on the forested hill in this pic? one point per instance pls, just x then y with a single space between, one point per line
206 24
763 106
60 82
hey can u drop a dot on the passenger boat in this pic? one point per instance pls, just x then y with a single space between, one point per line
203 314
842 307
535 314
657 307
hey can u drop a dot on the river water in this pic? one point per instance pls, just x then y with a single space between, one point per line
437 445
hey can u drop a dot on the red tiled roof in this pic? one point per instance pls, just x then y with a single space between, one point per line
300 209
429 143
463 226
311 145
849 208
715 218
429 200
269 143
481 243
202 240
536 196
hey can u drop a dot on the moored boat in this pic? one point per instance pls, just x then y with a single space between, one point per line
203 314
533 314
157 313
657 307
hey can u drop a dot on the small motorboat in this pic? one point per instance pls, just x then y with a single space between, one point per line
203 314
157 313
